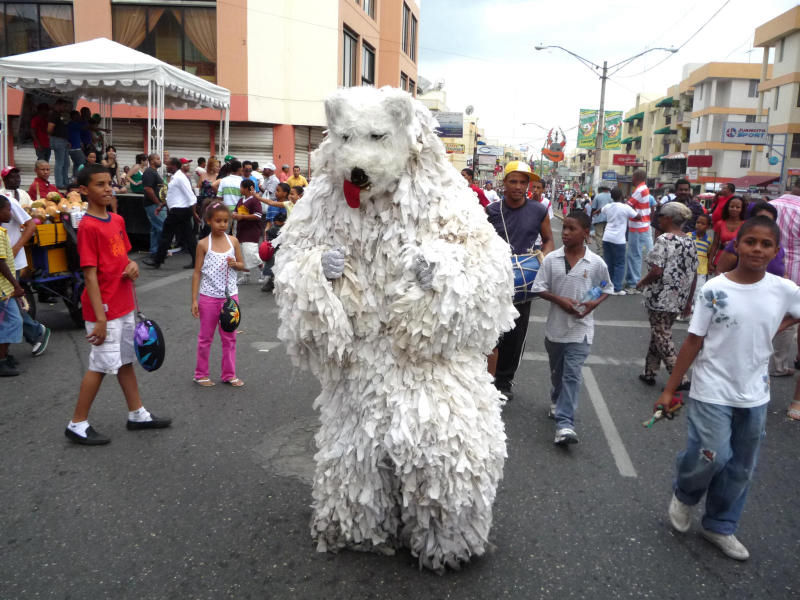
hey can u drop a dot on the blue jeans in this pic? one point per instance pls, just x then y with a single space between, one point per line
637 241
32 330
719 460
566 361
78 158
614 255
60 147
156 225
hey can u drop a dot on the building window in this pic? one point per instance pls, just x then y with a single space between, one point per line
367 65
29 26
697 127
798 95
413 46
412 87
369 7
182 37
779 53
744 162
752 90
406 26
668 120
700 93
403 81
795 151
349 59
749 118
777 97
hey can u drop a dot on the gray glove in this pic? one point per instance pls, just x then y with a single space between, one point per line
333 263
424 272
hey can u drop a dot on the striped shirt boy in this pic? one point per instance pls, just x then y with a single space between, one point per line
702 245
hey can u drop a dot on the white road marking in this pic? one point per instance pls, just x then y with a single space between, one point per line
169 279
591 360
612 323
265 346
621 457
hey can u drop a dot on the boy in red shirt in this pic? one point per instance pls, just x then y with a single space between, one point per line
41 186
248 227
108 306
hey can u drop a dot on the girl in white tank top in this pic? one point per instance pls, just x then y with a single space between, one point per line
218 258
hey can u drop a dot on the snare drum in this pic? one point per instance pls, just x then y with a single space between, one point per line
525 267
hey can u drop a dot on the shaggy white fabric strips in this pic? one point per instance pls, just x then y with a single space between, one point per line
411 442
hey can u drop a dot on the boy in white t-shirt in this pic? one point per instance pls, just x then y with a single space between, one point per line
730 335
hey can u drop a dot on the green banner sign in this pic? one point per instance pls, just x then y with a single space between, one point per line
612 130
587 128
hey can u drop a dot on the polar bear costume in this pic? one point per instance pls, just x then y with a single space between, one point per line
411 443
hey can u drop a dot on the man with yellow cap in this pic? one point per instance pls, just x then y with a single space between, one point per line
520 222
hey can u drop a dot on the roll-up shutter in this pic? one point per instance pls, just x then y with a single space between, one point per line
25 158
302 140
187 139
251 141
317 136
127 136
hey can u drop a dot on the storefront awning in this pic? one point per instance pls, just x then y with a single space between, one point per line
658 158
665 102
639 115
638 138
754 181
665 130
675 156
627 140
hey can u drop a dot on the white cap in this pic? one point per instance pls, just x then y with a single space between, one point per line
270 166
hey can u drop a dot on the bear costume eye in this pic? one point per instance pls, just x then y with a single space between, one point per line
378 136
345 137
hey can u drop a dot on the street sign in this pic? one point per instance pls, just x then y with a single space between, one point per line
610 175
692 173
451 124
624 160
737 132
454 148
487 160
490 150
699 160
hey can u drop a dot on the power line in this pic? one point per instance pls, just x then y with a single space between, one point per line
690 38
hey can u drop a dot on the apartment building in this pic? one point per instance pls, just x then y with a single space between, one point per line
780 90
279 59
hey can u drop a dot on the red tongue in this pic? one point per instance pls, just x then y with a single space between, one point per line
352 193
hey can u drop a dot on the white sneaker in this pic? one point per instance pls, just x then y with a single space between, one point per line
730 546
619 293
680 514
565 436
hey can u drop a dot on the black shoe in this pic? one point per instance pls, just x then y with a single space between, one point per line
154 423
6 370
12 362
191 266
151 263
505 390
268 286
648 379
92 437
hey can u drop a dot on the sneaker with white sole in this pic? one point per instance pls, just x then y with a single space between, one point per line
551 412
39 347
565 436
728 544
680 514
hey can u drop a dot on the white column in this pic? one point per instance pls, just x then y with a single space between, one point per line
3 121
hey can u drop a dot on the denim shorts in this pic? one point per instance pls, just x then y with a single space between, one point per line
10 322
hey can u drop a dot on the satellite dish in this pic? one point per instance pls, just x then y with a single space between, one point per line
469 110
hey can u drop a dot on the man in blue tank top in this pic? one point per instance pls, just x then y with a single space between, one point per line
520 222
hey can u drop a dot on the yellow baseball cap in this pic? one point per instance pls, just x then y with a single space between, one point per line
520 167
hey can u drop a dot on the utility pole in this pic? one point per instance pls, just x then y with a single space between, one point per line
598 147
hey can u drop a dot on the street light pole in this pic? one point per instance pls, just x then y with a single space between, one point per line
603 78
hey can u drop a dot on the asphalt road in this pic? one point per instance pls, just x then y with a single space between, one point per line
218 505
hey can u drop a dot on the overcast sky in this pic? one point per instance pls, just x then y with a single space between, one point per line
483 50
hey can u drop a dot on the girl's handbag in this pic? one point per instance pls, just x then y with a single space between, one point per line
148 341
229 315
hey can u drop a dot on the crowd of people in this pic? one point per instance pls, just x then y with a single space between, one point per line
734 268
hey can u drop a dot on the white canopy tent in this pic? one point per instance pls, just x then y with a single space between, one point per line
104 71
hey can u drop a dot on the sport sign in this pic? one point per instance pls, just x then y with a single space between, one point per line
737 132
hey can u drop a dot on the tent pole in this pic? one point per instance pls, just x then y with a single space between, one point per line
3 121
149 118
220 155
227 129
160 122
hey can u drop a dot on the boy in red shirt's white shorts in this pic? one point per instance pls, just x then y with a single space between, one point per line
108 307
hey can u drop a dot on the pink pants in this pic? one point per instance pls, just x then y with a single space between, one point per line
209 320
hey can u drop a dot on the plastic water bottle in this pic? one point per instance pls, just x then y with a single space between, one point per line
590 295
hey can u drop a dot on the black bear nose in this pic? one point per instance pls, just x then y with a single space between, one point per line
359 177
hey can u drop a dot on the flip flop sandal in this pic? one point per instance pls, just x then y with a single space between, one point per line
204 382
235 382
793 414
